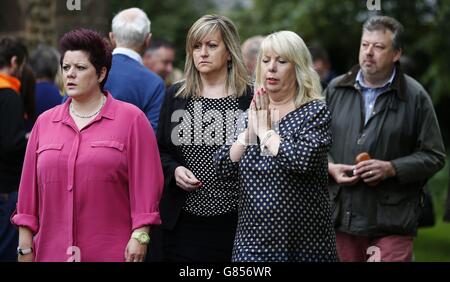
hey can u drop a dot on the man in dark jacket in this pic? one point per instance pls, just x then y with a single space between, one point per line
12 141
379 110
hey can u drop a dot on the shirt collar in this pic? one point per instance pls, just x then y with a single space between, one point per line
360 80
128 52
108 111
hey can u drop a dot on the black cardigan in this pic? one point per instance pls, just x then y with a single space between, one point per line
173 197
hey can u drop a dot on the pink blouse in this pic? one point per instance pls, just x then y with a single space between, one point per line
82 193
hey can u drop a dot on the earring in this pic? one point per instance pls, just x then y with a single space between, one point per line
229 65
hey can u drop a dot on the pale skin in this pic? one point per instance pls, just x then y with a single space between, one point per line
210 57
83 85
270 103
377 58
160 61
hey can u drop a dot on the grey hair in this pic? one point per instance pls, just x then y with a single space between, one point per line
383 23
44 61
130 27
251 46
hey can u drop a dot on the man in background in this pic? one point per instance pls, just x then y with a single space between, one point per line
250 49
322 65
159 58
129 80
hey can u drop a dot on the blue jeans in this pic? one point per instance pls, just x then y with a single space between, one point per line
9 236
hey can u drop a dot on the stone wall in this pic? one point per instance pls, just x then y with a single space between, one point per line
45 21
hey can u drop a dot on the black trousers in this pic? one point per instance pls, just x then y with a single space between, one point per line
200 239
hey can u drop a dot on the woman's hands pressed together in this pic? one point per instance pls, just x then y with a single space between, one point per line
259 119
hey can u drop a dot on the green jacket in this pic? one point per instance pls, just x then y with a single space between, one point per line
403 130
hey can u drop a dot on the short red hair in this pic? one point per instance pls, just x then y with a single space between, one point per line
91 42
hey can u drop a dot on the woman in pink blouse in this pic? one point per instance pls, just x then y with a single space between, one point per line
92 177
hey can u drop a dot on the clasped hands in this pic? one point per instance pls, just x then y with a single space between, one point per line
259 117
372 172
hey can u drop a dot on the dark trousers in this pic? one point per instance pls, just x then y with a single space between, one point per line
200 239
9 236
155 249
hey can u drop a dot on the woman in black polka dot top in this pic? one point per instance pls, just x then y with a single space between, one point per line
280 158
199 211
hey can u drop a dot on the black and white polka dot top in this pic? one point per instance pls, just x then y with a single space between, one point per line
206 125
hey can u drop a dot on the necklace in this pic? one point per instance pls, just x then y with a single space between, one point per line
72 110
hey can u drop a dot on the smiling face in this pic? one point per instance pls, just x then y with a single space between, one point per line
79 75
377 55
210 54
278 75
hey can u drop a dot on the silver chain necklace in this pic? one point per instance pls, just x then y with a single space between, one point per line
72 110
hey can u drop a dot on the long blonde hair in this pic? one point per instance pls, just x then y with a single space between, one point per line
291 47
237 78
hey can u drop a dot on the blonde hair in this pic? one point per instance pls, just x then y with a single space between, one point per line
237 78
291 47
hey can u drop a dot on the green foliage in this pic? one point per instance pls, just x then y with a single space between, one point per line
336 25
433 244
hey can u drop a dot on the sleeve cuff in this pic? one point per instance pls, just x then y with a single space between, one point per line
285 154
398 169
144 219
25 220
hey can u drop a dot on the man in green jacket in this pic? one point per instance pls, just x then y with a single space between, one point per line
379 110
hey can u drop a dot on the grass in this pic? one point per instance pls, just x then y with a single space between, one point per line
433 244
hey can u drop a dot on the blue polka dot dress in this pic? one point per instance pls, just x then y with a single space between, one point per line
284 210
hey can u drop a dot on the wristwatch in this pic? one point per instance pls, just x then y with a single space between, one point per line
142 237
25 251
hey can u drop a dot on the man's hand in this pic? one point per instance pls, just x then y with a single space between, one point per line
339 173
374 171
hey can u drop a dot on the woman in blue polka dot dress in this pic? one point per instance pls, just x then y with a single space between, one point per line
280 158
